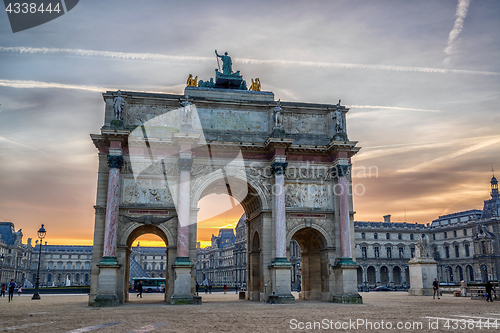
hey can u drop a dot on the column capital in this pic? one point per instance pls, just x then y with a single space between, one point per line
279 168
341 170
185 164
115 161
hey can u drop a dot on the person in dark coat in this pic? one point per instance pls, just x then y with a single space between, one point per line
435 286
139 289
210 288
489 291
12 286
197 288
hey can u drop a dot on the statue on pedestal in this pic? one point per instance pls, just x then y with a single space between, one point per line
118 104
422 248
227 65
339 120
186 111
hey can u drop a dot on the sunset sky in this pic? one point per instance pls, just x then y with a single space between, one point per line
421 78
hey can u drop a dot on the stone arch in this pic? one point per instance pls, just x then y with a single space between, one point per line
470 273
459 273
371 274
384 275
396 275
323 232
315 262
134 231
255 266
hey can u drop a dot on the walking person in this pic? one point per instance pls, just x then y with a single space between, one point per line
12 286
489 291
206 289
435 286
225 288
197 288
139 289
19 291
2 291
210 288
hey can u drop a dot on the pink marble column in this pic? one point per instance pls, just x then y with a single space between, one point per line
344 225
279 208
112 206
183 207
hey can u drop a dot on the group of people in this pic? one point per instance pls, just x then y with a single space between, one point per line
489 290
11 287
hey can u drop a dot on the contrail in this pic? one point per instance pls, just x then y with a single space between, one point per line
163 57
462 8
389 107
40 84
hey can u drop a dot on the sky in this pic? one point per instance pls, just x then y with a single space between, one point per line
421 79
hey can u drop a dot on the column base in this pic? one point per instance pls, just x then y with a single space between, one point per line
347 299
107 293
420 291
182 284
106 301
346 282
281 290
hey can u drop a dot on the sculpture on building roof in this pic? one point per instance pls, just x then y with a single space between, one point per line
227 64
278 123
255 85
118 104
192 82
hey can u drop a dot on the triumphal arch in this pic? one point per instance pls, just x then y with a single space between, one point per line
287 163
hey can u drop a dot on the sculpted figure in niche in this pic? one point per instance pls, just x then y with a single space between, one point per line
339 120
186 111
278 123
118 104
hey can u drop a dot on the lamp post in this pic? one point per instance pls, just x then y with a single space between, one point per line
2 257
41 235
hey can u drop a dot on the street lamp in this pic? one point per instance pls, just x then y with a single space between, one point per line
41 235
1 265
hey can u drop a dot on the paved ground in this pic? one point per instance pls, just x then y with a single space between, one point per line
225 313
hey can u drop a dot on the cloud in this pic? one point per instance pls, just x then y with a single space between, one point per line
461 13
397 108
382 151
163 57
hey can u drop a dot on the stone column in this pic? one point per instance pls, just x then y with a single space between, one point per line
182 266
345 269
280 267
107 293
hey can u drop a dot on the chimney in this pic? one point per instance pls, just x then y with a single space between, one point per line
29 242
387 218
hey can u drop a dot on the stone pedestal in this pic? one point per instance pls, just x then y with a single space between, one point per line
423 271
197 300
106 292
182 284
346 287
280 281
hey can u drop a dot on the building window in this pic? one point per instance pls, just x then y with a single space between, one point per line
389 252
363 252
433 236
376 251
465 232
447 251
375 236
69 256
363 235
59 265
51 256
50 265
412 252
467 253
411 238
387 236
483 247
445 234
87 265
401 252
457 251
400 236
454 233
78 265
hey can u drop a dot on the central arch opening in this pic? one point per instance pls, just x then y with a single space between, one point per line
314 263
228 253
147 257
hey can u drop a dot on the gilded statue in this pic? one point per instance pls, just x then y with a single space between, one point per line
255 85
192 82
